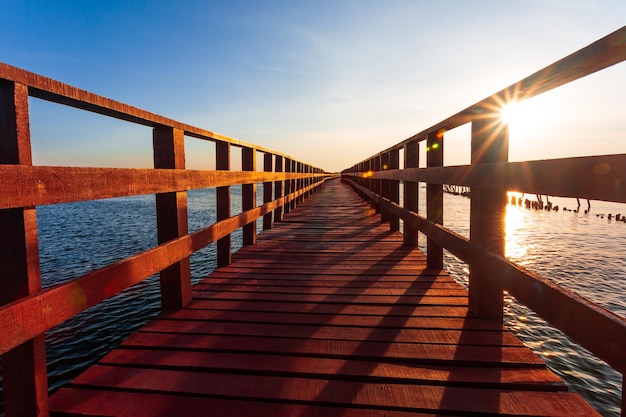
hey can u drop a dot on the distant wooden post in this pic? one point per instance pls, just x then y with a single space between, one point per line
385 186
299 182
394 189
248 195
490 143
376 184
369 181
222 163
294 183
287 206
171 210
307 181
434 198
362 168
411 160
24 372
278 188
267 190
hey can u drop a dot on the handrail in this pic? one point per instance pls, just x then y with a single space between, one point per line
57 92
27 311
490 176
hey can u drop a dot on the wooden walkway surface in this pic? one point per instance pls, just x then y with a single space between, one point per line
328 315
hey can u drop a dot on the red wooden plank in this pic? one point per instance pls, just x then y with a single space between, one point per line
269 280
348 278
413 300
362 350
376 310
504 378
401 397
87 402
370 334
327 290
289 317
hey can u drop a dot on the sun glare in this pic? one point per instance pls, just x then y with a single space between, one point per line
524 117
510 113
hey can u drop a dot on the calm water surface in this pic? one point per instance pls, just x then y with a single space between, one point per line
579 251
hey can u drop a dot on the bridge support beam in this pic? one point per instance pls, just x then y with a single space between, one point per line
248 195
278 188
490 143
24 371
394 189
171 210
267 190
222 163
434 198
411 160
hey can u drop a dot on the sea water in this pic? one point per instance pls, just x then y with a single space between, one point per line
582 252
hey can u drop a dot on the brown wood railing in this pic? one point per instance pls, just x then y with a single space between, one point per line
490 177
27 311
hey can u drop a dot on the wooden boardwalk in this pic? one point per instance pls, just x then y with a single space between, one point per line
328 315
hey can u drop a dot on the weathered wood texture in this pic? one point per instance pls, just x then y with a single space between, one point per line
38 185
329 314
591 177
23 368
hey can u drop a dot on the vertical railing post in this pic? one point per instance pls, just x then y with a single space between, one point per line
24 373
411 160
299 182
171 211
307 181
267 190
248 194
222 163
294 183
434 198
287 206
490 143
278 188
376 184
369 184
384 186
394 189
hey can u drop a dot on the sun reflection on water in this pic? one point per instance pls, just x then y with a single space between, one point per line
514 220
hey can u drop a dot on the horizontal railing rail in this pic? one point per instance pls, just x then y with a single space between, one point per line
27 310
490 176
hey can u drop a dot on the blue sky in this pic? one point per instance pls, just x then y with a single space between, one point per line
328 82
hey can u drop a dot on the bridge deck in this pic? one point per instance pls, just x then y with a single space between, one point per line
328 315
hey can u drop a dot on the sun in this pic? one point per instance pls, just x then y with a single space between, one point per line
519 113
510 113
528 117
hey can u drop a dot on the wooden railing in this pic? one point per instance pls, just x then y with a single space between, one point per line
27 311
490 177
